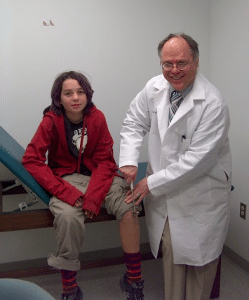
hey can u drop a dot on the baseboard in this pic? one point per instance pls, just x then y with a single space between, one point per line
236 258
93 259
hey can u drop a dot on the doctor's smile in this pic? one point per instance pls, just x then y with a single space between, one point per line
179 67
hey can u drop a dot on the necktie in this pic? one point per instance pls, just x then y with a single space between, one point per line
176 100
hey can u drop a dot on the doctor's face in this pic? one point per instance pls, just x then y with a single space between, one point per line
178 66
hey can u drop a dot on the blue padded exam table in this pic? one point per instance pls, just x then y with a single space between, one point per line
11 153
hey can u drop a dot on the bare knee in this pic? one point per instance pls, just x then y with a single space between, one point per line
129 216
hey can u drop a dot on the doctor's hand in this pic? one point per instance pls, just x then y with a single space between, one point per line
139 192
129 173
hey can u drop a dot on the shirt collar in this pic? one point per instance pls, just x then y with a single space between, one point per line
184 92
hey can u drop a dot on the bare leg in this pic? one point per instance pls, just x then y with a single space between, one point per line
131 283
129 232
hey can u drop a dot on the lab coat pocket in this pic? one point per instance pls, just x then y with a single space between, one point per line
218 175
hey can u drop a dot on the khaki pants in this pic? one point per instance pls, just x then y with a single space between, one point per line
183 282
69 220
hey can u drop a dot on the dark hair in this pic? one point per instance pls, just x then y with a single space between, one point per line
191 42
56 106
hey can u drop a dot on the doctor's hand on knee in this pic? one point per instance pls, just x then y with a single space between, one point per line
140 191
129 173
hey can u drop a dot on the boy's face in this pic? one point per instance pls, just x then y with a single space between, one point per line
73 98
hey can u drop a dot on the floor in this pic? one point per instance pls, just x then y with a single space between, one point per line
102 283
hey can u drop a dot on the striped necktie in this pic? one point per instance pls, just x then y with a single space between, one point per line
175 100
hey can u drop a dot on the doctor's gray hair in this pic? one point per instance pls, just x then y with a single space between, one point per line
191 42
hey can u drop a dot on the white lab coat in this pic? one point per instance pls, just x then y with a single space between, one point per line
189 172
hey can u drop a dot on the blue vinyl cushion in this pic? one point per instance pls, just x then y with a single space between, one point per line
16 289
11 153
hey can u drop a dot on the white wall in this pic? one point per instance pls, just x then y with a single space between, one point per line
115 42
230 73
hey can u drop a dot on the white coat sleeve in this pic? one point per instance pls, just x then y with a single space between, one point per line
202 153
134 128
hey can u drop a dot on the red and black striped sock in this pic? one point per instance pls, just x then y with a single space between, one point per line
133 266
68 281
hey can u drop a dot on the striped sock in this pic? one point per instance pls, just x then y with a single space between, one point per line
133 266
68 281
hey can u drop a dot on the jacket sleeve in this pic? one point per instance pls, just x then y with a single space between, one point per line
34 160
101 163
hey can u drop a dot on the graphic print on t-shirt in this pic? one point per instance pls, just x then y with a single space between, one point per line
76 138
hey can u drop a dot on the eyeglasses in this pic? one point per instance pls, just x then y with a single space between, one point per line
181 65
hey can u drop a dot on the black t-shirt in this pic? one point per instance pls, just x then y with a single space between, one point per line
74 133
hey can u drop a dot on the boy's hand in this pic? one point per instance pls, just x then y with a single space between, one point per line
79 202
89 214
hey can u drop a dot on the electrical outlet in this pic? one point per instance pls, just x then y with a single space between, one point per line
242 210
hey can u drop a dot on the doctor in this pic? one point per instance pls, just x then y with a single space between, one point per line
186 190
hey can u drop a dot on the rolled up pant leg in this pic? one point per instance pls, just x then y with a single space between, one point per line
114 200
69 229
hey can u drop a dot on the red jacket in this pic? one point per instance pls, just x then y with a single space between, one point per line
98 158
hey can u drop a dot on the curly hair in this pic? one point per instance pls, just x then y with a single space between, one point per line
56 90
